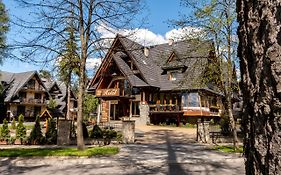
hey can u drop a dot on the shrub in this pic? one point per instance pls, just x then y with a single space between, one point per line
96 133
51 133
224 124
109 134
5 132
13 124
36 136
11 141
85 131
21 129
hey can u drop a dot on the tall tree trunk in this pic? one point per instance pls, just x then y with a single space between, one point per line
232 121
260 62
81 89
68 102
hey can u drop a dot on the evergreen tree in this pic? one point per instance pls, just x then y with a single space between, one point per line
4 27
51 133
36 135
21 129
13 124
5 132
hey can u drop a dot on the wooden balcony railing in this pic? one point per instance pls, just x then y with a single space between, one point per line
32 101
187 111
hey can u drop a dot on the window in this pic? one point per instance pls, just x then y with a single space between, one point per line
22 95
136 108
213 101
21 110
172 76
190 100
37 96
37 111
193 100
31 84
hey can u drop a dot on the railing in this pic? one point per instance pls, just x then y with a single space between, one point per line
33 88
32 101
164 107
107 92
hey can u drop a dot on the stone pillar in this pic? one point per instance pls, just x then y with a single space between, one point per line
144 114
64 127
203 133
128 131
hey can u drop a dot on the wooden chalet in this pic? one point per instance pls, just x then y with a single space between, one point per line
160 83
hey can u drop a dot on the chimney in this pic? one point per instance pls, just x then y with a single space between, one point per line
171 42
146 51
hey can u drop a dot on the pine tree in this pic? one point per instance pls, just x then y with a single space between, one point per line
4 27
5 132
36 135
51 133
21 129
13 124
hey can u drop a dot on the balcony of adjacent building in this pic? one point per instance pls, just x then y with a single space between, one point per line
32 101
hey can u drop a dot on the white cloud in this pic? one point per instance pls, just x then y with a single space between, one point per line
142 36
147 37
183 33
93 63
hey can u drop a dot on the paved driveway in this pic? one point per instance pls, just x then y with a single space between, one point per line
158 150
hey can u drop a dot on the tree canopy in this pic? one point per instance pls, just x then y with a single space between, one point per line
4 28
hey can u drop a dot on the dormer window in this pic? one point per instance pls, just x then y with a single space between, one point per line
172 76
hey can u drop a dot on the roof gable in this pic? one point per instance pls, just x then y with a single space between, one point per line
17 81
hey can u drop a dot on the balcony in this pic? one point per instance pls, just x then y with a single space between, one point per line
33 101
29 88
107 92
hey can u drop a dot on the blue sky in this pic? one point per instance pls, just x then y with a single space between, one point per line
158 13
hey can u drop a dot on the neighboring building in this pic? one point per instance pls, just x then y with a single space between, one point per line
27 94
24 94
58 92
156 84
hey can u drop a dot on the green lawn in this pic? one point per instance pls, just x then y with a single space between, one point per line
58 152
228 149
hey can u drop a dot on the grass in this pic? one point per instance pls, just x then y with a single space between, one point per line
93 151
228 149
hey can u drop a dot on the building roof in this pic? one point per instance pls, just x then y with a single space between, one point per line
16 81
187 58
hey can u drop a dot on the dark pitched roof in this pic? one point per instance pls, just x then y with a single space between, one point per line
16 82
133 79
190 60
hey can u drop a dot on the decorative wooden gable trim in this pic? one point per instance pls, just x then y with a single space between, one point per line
108 61
105 62
172 56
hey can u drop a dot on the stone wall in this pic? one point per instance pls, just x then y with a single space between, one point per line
64 127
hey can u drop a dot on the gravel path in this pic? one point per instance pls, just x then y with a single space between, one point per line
158 150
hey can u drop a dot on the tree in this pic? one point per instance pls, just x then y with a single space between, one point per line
36 135
215 20
4 28
45 74
21 129
259 53
69 64
90 105
51 132
50 34
5 132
